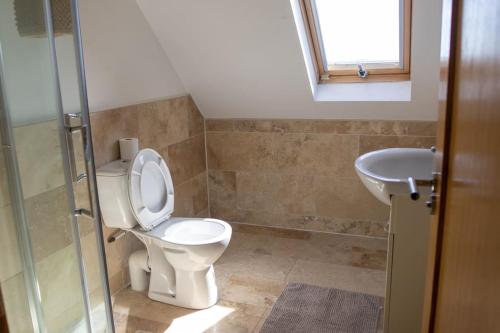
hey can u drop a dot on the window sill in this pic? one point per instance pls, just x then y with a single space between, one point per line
363 92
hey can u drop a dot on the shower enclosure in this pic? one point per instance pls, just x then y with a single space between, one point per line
52 265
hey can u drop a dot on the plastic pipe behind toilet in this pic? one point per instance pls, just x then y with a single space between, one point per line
138 268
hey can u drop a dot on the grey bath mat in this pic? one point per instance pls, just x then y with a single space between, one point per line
303 308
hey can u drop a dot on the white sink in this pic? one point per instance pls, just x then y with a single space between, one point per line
385 172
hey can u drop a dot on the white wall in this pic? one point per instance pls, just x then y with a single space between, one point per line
242 59
29 84
124 62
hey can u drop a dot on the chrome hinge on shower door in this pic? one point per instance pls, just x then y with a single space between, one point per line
77 143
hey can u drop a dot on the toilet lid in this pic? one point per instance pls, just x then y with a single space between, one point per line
151 190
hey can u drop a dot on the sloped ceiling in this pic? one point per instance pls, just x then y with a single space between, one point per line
124 63
242 59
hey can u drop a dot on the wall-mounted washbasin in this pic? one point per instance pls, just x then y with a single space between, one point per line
385 172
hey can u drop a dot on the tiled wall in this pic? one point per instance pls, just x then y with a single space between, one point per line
47 215
300 173
173 127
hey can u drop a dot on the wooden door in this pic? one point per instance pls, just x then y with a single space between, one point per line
466 288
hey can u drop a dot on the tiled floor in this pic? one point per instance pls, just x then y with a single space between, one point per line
251 274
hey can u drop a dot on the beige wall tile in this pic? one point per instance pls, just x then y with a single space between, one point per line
237 151
369 143
222 188
4 184
10 259
219 125
315 154
276 192
108 127
347 198
60 286
292 153
195 118
187 158
422 128
49 222
300 173
163 123
274 125
191 196
39 157
16 304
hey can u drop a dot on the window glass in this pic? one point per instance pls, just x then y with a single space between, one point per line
359 31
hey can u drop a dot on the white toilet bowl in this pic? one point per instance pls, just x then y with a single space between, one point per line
181 256
180 251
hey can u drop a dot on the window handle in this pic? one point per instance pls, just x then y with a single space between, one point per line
362 72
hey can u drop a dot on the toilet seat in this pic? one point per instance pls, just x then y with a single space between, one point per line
190 231
150 187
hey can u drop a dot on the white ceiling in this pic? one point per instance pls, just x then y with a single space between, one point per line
242 59
124 63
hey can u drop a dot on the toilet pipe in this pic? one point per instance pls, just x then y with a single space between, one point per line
138 268
116 236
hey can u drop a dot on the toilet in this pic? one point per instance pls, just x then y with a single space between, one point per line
138 196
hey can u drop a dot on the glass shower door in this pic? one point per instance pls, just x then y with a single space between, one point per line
52 264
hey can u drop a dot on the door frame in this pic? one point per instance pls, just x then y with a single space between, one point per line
448 57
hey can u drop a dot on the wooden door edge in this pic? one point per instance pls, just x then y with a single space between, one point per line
443 147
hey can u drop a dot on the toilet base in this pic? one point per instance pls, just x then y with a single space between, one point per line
193 290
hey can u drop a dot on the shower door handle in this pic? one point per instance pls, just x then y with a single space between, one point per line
78 151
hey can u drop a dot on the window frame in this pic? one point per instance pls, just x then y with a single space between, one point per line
348 73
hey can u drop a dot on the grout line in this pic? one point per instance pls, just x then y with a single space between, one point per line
206 166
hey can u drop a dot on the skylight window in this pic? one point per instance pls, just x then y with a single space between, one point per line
359 40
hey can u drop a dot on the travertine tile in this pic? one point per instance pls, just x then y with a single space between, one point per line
255 264
134 311
15 300
252 289
222 189
248 283
324 247
187 159
4 184
371 143
422 128
237 151
275 192
163 123
49 222
60 286
269 150
339 276
195 118
132 324
110 126
191 196
346 127
347 198
374 259
341 205
317 154
10 260
270 231
38 149
219 125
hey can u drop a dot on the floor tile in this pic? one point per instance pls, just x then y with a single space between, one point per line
357 279
252 274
